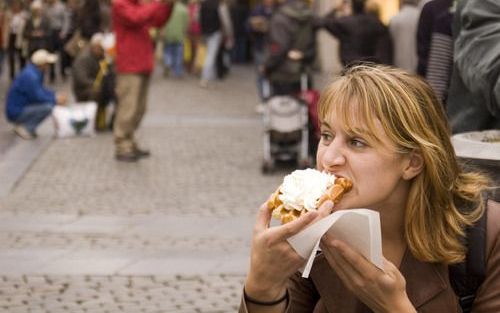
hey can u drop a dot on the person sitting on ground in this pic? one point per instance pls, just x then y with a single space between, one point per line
94 78
28 101
386 131
85 69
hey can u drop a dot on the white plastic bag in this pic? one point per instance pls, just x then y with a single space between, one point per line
74 120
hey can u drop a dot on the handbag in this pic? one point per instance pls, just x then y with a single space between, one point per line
188 50
201 52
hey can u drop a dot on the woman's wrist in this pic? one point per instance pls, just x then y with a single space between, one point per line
404 306
259 302
264 292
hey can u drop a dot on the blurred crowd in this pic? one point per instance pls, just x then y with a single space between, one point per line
204 37
27 26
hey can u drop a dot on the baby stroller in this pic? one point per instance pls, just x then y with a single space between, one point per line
286 130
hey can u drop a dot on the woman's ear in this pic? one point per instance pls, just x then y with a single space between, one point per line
414 166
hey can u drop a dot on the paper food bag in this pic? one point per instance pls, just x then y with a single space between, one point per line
74 120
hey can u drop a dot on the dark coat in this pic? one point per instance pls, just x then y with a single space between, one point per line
84 71
38 37
430 12
292 20
259 36
210 20
362 37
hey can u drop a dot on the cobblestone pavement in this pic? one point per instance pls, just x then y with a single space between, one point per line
80 232
145 294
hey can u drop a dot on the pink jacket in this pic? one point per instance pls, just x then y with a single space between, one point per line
131 23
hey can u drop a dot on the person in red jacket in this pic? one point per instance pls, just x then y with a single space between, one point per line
132 20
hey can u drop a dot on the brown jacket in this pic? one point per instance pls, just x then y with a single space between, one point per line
427 284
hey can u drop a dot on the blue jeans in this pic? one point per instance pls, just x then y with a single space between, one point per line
213 42
33 115
173 57
239 53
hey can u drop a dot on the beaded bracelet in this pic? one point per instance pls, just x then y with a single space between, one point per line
265 303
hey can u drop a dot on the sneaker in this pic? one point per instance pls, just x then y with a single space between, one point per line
142 153
24 133
127 157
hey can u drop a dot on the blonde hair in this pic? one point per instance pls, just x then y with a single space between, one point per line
414 120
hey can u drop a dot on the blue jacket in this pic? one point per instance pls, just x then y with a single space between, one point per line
27 89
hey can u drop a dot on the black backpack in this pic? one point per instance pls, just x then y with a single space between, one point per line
466 277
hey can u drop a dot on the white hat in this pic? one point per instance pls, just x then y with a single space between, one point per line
97 39
42 56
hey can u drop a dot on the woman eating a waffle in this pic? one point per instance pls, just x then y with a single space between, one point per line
385 133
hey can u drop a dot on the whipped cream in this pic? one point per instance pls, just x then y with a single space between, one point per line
302 189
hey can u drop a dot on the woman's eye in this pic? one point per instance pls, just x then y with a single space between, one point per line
326 137
357 143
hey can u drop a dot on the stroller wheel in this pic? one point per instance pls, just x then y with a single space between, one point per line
267 167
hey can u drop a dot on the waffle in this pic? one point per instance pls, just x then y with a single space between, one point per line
334 193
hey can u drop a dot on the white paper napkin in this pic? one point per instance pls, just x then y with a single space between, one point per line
359 228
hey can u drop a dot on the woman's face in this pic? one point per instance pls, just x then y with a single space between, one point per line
379 174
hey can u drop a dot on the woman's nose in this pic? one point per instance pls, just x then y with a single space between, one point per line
333 156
